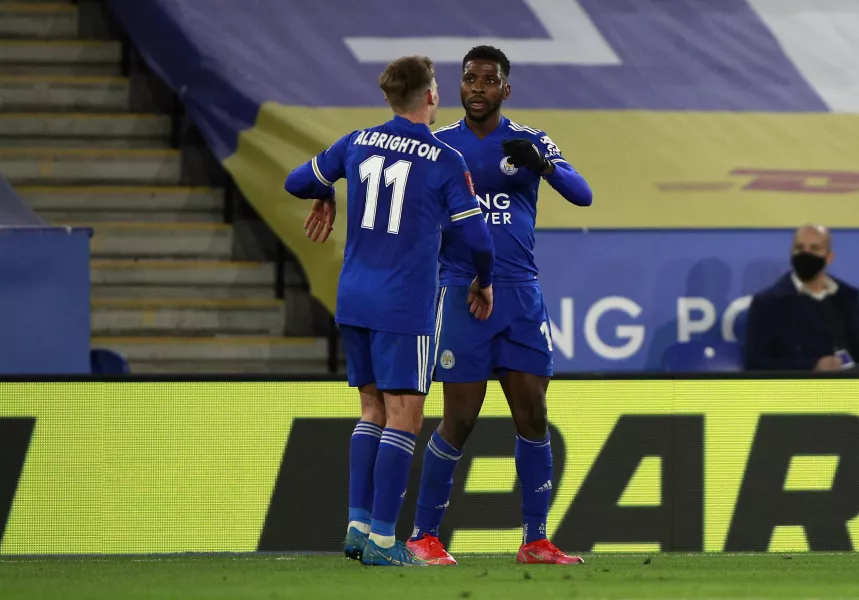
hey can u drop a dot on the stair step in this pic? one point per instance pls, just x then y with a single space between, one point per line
38 20
89 165
90 142
59 52
216 348
61 217
84 130
50 92
160 240
149 291
231 367
126 198
181 272
84 125
188 279
62 70
184 316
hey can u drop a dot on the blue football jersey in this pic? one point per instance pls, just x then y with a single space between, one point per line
403 185
508 198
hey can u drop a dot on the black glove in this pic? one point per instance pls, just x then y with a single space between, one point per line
524 153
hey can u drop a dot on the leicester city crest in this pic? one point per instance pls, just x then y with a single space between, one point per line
507 168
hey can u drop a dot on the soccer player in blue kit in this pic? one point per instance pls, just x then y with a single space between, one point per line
507 161
403 185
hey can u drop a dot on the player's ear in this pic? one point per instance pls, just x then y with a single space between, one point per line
431 99
505 91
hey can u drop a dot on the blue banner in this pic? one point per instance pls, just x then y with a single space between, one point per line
45 304
619 299
699 102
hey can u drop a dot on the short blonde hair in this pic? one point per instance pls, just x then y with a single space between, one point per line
405 80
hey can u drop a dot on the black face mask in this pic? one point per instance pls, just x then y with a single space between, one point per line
807 266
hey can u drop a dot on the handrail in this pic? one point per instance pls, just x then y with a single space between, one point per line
279 277
333 347
176 122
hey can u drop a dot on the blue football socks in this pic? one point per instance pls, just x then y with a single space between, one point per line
362 462
390 480
534 467
440 460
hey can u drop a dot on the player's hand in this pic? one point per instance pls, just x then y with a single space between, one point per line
524 153
480 300
320 222
828 363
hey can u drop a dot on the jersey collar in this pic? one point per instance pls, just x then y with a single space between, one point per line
399 121
502 125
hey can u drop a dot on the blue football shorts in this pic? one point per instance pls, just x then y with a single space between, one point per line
516 337
393 361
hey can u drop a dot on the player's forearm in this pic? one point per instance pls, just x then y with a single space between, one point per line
303 183
569 184
479 240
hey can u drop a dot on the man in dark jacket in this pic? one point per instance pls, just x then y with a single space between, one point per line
807 320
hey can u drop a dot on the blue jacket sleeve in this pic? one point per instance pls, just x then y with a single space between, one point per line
759 351
316 177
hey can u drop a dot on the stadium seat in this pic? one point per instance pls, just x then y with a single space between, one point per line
698 356
108 362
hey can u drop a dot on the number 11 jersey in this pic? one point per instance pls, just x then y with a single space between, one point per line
403 186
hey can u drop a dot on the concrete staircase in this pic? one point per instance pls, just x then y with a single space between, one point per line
166 292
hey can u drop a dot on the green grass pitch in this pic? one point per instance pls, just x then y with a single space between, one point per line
496 577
